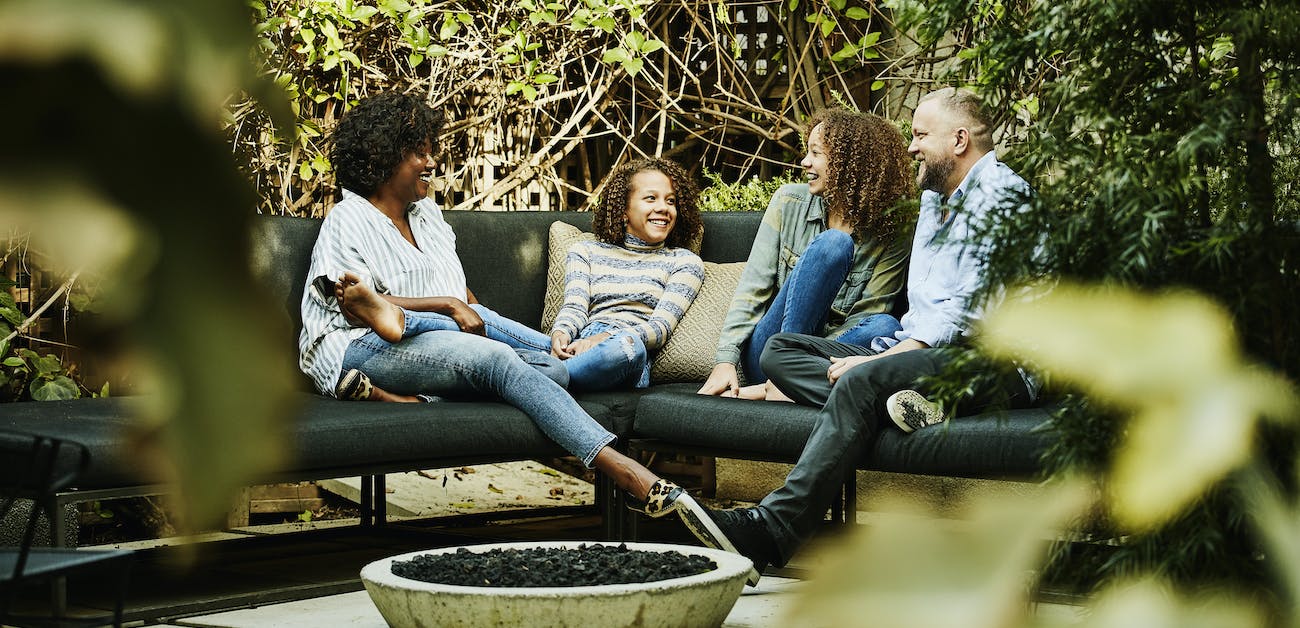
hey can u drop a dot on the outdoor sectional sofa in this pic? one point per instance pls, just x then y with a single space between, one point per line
504 254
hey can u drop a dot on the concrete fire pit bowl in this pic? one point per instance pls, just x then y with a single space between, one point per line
700 600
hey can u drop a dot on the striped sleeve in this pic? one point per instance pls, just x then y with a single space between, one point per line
576 306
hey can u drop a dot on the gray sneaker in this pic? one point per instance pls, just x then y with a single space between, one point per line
911 411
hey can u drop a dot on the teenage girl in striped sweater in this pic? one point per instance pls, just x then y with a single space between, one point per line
625 293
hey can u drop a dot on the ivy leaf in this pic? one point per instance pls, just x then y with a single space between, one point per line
653 45
633 40
857 13
12 361
304 171
47 364
545 79
791 5
869 40
530 92
449 28
875 85
57 389
616 55
828 26
838 5
12 315
848 51
414 59
633 66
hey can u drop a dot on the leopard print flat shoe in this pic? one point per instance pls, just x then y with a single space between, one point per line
662 499
353 386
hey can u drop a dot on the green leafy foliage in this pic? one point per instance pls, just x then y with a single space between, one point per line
569 69
752 194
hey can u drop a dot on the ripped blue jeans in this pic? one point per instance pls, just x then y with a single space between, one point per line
618 362
435 358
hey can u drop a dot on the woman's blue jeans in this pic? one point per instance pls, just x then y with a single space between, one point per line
434 359
618 362
804 301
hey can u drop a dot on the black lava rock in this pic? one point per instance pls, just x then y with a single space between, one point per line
585 565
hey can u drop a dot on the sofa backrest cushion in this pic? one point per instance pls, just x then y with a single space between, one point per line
504 254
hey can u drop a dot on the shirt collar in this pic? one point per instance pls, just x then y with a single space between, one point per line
816 209
973 175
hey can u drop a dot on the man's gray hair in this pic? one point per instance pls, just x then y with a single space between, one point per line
968 110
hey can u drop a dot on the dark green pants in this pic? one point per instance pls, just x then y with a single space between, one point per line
852 415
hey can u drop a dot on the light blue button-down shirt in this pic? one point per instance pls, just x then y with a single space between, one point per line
946 265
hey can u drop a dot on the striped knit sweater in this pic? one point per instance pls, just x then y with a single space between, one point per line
642 288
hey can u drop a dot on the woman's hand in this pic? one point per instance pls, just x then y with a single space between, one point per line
466 318
723 381
582 344
560 345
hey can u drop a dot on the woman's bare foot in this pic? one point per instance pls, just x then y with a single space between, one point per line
767 391
775 394
753 391
379 394
362 304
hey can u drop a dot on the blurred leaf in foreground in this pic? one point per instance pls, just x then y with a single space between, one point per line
115 160
919 571
1172 361
1150 604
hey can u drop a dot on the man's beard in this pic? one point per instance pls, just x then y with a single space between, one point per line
934 174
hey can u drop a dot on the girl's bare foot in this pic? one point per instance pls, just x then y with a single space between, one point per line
361 303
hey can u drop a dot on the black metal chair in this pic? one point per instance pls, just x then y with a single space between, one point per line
37 467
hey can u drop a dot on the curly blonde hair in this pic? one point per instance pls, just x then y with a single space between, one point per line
609 218
869 170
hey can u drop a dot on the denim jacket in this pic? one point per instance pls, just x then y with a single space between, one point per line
793 218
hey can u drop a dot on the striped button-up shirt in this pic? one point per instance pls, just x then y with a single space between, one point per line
357 237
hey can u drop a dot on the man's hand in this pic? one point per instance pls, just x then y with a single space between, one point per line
723 381
840 366
466 318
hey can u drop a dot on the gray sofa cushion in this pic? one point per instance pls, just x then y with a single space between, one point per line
994 445
343 437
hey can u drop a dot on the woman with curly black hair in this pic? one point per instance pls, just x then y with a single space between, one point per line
625 293
393 304
830 256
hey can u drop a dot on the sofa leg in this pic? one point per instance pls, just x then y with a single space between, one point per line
851 499
381 500
367 498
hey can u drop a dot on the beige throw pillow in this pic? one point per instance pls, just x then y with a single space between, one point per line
688 356
562 236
